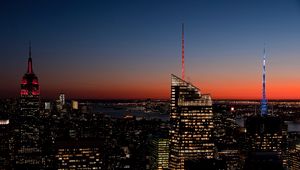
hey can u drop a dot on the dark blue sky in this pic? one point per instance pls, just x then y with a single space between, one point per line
91 48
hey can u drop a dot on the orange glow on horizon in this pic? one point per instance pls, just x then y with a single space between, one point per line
144 87
279 91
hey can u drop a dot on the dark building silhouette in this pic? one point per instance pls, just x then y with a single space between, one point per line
263 160
191 124
205 164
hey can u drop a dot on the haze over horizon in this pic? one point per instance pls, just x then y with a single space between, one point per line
119 50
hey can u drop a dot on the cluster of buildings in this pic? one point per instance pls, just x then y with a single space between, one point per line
68 135
202 138
198 138
198 135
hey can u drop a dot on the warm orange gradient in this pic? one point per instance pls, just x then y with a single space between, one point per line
220 83
233 78
160 89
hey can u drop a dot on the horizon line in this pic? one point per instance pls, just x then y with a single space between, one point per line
122 98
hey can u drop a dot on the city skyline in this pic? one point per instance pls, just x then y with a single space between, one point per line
131 58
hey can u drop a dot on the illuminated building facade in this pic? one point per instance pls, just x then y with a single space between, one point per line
75 105
191 124
266 140
27 138
160 153
47 106
60 103
62 99
231 158
30 91
79 155
4 141
225 140
295 158
266 144
265 134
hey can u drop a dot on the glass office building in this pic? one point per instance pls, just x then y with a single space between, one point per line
191 121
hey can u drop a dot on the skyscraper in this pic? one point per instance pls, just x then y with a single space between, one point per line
265 135
79 154
60 103
159 158
27 133
62 99
30 91
295 158
5 135
191 124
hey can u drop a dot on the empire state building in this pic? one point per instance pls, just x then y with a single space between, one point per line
30 92
28 152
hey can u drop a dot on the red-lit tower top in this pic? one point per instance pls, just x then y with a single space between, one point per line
182 51
30 83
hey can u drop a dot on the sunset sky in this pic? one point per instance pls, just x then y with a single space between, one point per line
130 48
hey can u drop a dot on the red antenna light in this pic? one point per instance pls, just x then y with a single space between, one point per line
182 52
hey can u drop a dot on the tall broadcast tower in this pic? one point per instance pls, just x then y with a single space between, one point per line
182 52
264 106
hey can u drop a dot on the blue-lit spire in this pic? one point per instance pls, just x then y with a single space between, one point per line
264 105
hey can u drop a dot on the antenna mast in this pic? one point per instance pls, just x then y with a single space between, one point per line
29 49
182 51
264 106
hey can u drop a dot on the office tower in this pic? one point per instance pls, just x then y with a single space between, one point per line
159 153
265 135
27 133
295 158
60 103
74 105
47 106
79 154
231 157
4 141
191 124
225 134
62 99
